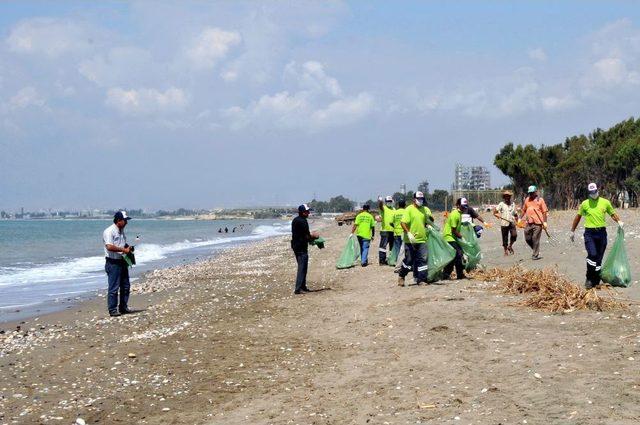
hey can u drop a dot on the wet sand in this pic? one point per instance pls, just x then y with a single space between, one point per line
225 341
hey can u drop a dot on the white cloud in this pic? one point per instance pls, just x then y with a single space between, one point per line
613 71
318 103
26 97
146 101
119 66
343 111
615 61
211 46
554 103
538 54
312 76
48 37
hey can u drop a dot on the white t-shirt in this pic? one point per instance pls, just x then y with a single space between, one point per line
507 212
113 236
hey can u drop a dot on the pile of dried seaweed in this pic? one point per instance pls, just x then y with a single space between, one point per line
550 291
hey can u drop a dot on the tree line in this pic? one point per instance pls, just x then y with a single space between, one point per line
610 158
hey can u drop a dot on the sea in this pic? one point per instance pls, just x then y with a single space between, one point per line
45 265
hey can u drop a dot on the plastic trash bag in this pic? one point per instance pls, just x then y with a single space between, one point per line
470 247
319 242
392 259
440 253
350 253
615 269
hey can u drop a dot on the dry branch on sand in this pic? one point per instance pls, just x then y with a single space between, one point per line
550 291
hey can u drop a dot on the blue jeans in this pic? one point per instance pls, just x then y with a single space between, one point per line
415 259
386 239
364 249
302 258
595 241
118 278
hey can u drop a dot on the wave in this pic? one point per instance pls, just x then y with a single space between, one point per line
89 267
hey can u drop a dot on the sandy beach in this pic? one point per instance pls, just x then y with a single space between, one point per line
224 341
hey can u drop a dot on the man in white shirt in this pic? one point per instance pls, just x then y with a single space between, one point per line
115 246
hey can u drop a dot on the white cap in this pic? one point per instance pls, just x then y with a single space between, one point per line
592 187
389 199
464 202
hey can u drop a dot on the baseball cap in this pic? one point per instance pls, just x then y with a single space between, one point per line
464 202
121 215
592 187
303 208
532 189
419 195
389 199
365 207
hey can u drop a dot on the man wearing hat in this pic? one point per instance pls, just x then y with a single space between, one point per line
300 238
594 211
386 228
115 246
535 210
506 213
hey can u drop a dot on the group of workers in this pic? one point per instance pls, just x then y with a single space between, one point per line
410 225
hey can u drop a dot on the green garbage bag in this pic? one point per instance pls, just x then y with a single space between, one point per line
392 258
470 247
319 242
615 269
440 253
350 253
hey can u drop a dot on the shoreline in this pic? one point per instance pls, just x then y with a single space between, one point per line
226 342
21 312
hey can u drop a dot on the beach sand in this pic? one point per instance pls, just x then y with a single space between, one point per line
225 341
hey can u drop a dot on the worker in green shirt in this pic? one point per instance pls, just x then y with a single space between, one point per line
594 211
386 228
451 233
414 223
364 229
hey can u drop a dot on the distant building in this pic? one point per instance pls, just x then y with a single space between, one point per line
471 178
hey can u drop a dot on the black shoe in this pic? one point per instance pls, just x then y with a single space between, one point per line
297 292
126 311
114 314
305 289
365 264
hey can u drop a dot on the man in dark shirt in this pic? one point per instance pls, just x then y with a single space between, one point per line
300 244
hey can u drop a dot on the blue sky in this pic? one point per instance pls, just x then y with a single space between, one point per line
201 104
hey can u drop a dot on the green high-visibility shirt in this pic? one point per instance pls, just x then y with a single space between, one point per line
397 217
594 212
454 220
386 225
416 219
365 223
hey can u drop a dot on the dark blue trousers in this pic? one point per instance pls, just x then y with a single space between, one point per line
118 278
595 241
386 239
415 259
302 258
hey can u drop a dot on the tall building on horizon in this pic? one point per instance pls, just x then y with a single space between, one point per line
474 177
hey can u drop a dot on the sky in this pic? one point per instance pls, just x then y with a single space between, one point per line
228 104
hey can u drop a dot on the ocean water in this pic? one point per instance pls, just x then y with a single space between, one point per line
49 262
